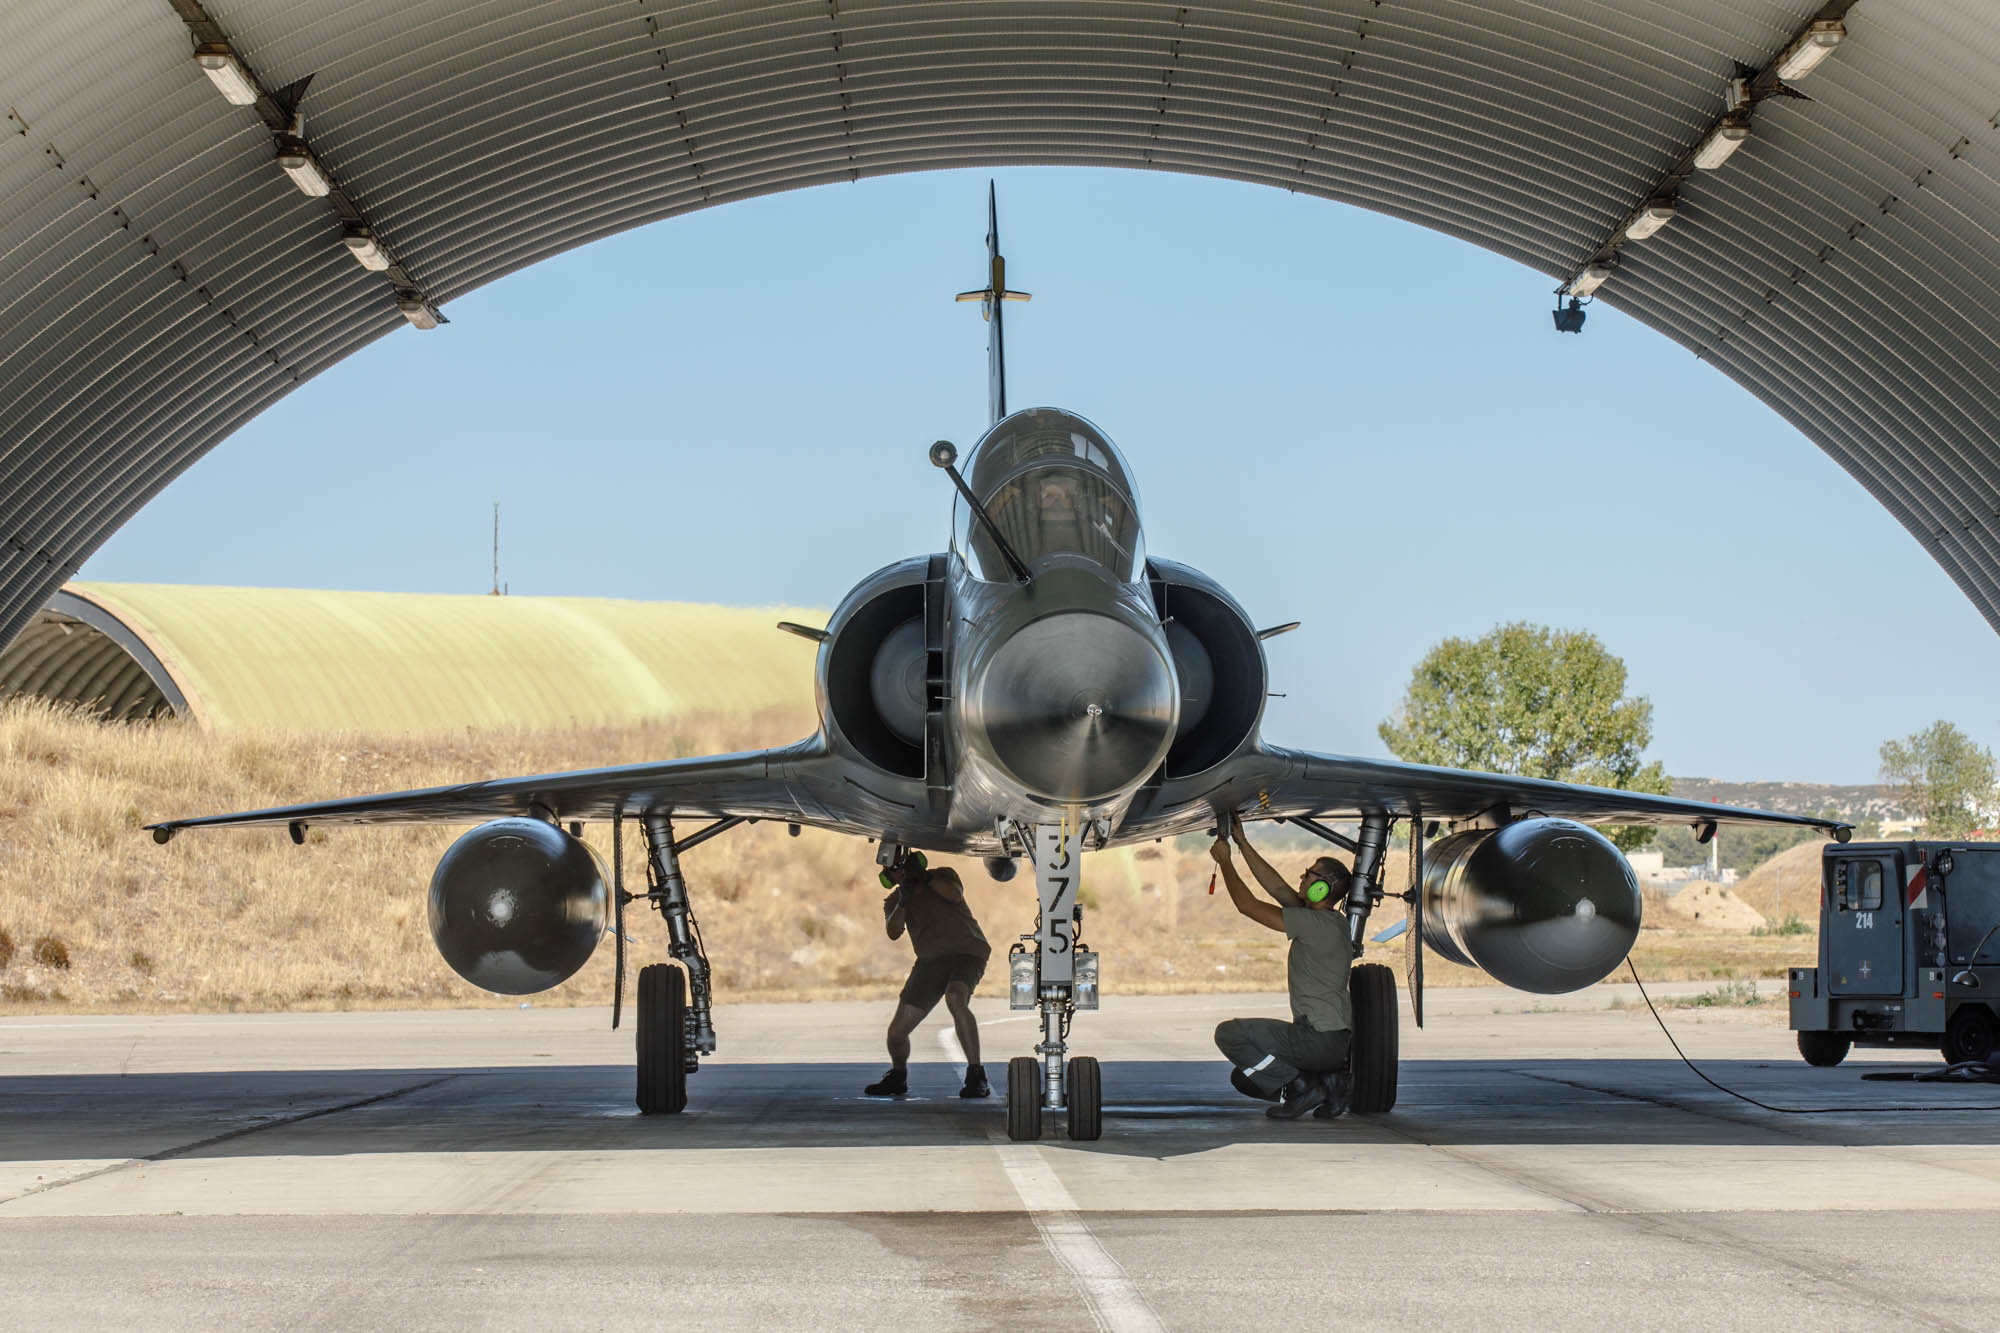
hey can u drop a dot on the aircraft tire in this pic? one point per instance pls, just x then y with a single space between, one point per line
1371 1062
1824 1050
1024 1098
1086 1099
662 1040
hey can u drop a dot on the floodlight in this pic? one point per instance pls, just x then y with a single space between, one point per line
1727 136
1569 319
421 313
1653 215
1815 44
226 72
298 162
1588 281
367 251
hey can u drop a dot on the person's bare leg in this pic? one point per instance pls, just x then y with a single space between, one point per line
901 1024
958 999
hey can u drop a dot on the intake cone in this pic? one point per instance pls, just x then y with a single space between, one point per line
1077 706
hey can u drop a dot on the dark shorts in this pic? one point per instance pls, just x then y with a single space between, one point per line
931 975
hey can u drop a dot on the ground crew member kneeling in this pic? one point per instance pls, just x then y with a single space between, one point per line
951 957
1297 1064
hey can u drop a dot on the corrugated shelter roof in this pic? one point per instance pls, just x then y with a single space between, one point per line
376 661
162 280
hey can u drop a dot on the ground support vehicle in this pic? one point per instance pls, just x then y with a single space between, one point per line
1908 954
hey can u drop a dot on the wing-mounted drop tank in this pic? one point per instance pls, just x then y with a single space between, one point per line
1544 905
517 906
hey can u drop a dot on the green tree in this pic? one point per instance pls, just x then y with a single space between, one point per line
1943 777
1530 700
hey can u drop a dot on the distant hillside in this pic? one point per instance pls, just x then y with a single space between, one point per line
1796 798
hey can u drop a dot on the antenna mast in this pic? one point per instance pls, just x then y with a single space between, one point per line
496 548
990 297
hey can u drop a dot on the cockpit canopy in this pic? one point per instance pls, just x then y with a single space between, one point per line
1058 489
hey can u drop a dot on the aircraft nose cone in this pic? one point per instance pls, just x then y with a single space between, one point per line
1078 706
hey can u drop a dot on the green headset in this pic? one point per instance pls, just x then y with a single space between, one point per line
1318 890
920 860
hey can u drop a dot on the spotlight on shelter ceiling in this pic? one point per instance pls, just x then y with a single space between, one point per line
1569 318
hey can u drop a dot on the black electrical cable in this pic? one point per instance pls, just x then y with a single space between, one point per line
1781 1110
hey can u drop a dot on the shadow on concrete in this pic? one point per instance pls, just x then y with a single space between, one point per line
1152 1109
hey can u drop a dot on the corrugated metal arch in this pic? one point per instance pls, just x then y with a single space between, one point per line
164 282
76 652
315 660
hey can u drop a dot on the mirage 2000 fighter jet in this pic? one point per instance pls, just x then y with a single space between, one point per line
1040 690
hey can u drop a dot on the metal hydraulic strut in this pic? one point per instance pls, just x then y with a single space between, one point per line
669 895
1364 886
1055 940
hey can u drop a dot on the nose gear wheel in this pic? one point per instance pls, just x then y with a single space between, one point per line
1024 1098
1086 1099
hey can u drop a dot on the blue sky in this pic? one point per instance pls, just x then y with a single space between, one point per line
1348 420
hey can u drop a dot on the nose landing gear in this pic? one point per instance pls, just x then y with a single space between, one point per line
1057 977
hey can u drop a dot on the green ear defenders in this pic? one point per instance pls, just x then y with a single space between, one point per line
918 858
1319 888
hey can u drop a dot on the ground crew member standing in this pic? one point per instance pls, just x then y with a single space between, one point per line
951 957
1300 1061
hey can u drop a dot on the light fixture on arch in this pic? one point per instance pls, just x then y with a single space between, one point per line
1809 48
227 73
295 159
1727 136
1652 215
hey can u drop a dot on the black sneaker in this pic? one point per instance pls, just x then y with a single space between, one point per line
1336 1098
895 1083
1302 1094
975 1083
1246 1085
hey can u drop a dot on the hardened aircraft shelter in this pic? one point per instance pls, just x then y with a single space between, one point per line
203 205
301 659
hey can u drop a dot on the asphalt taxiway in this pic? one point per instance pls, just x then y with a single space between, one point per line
1549 1163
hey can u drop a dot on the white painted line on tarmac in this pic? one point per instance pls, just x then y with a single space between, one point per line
1115 1304
953 1052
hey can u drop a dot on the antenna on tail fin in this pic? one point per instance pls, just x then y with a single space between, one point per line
990 298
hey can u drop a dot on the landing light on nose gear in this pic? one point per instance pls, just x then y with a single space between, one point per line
1050 970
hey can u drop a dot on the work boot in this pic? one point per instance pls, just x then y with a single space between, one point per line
1246 1085
975 1083
1336 1098
1302 1094
893 1084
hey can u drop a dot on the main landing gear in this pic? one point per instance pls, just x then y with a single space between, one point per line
1373 1050
1051 972
675 1027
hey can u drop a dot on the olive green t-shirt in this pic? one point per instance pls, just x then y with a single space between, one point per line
941 928
1317 968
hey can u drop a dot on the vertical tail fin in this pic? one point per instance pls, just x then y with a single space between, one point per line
991 297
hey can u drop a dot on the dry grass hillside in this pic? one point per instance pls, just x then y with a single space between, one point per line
95 916
1787 885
